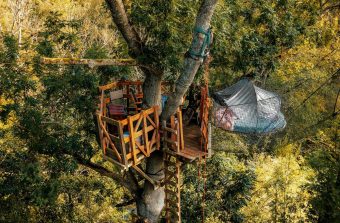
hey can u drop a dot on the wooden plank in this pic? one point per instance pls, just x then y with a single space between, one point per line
135 117
187 156
122 143
110 120
107 158
124 83
170 130
141 148
156 116
140 157
181 138
132 140
178 136
151 121
90 62
100 131
146 137
109 140
140 132
144 175
108 86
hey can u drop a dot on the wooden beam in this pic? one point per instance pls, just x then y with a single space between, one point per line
145 176
90 62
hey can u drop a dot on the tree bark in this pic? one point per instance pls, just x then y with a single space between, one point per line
152 90
150 203
121 20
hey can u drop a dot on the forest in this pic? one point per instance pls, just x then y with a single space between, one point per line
52 167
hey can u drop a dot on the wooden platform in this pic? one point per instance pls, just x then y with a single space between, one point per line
192 143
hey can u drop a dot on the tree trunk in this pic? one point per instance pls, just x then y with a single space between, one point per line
152 90
150 202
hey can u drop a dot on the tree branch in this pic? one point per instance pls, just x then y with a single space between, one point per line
128 183
121 20
126 203
331 7
190 65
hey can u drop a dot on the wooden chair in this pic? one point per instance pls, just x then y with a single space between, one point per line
117 111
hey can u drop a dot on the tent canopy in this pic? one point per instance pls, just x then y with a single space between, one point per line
244 107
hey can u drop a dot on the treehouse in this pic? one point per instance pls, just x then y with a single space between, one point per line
129 133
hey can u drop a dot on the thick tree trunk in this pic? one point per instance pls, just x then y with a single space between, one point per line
150 202
152 90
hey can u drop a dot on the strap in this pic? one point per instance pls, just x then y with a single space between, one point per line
204 50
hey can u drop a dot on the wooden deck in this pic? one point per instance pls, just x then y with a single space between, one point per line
192 143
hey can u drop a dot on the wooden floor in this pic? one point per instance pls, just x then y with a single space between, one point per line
192 142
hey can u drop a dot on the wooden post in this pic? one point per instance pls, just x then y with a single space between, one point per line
156 116
180 129
90 62
128 99
132 140
122 143
145 134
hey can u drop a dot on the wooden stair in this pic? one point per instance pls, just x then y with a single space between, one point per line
172 169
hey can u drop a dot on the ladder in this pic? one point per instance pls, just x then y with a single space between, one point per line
172 183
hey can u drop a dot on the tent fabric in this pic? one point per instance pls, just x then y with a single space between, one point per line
244 107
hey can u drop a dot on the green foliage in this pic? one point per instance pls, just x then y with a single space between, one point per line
166 26
228 184
325 160
279 193
250 36
49 125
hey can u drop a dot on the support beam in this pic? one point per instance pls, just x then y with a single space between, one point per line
89 62
145 176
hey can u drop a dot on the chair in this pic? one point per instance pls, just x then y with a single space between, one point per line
117 111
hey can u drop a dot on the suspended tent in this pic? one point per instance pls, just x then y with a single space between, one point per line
246 108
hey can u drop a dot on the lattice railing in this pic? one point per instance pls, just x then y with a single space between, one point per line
126 142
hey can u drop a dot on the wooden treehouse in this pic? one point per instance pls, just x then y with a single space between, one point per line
129 134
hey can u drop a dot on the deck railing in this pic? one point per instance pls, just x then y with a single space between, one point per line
126 142
173 133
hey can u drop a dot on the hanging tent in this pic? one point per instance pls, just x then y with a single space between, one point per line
245 108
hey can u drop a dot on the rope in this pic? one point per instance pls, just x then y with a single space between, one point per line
204 175
292 111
